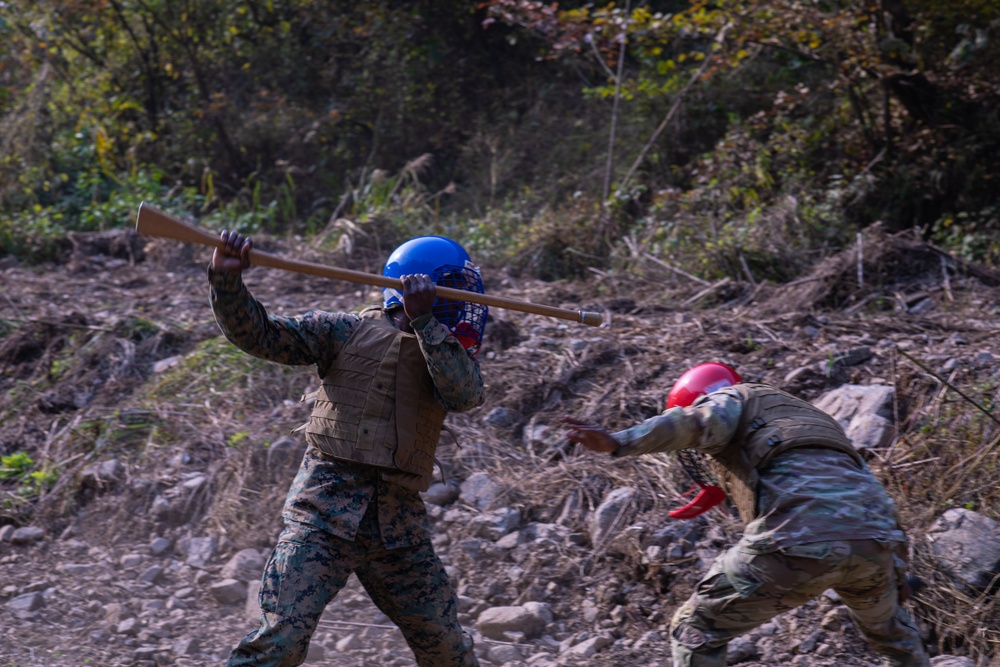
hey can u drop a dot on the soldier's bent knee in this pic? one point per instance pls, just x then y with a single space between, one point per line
688 636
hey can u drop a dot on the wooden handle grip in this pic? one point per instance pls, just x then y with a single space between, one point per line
152 222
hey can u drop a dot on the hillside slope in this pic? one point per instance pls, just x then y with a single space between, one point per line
173 457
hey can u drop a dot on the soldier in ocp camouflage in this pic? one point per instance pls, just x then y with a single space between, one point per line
815 519
342 516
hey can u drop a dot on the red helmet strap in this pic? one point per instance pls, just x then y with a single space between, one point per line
707 498
709 495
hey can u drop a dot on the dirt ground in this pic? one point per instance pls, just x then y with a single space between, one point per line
93 369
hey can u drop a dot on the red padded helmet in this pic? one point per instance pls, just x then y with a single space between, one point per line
700 380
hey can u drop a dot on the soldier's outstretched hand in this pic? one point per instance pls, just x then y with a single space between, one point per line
593 437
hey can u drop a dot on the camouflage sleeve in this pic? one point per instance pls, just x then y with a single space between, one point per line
458 382
708 425
313 338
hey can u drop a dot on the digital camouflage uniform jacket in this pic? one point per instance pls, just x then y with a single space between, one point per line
803 495
327 494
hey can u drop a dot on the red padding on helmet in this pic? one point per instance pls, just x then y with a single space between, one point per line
700 380
707 498
466 335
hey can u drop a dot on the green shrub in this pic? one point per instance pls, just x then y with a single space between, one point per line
17 464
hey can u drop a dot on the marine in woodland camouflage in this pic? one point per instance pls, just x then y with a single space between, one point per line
342 516
822 522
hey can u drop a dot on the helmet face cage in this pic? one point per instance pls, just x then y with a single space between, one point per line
467 321
693 463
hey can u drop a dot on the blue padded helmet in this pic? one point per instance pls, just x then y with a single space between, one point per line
448 265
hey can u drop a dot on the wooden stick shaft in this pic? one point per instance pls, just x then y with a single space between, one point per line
152 222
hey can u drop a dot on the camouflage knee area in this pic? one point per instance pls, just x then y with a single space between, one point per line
412 588
897 640
301 577
690 644
458 653
688 630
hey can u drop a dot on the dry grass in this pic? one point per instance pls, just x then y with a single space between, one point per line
221 409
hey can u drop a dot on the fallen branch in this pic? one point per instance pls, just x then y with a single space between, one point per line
51 323
681 272
950 386
708 290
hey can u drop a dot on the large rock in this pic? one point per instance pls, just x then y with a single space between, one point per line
480 491
200 551
284 455
441 493
865 412
26 602
102 475
251 603
611 516
588 648
229 591
966 545
499 622
494 525
245 565
952 661
27 535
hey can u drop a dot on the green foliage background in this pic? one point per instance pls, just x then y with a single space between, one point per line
719 137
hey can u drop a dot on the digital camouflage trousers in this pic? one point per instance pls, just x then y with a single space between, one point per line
307 569
743 590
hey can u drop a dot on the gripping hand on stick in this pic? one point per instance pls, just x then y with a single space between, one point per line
234 254
418 299
419 292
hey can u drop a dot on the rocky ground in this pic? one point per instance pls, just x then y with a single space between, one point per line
173 456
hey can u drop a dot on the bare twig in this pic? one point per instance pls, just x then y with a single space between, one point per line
965 467
746 269
614 109
600 60
13 305
802 281
861 261
337 621
681 272
708 290
950 386
895 404
916 463
945 281
673 109
51 323
770 334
